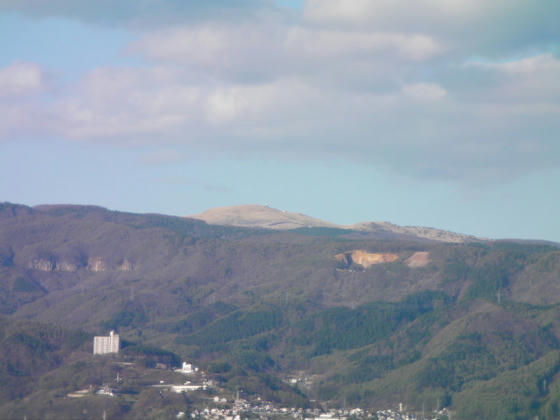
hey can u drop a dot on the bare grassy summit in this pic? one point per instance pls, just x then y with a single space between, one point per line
254 215
258 216
417 231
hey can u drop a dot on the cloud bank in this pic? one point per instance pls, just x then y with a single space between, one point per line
449 89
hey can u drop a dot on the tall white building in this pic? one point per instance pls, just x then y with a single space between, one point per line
106 344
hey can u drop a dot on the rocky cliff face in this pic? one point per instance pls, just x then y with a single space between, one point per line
125 265
45 264
365 259
94 264
42 264
418 259
66 266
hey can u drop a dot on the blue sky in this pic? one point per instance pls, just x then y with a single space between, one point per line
346 110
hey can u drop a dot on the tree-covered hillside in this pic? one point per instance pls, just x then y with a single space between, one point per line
440 325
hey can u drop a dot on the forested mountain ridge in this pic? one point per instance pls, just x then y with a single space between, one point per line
369 318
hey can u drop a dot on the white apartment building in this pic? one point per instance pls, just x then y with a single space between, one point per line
106 344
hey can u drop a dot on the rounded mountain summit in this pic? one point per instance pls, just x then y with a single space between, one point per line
254 215
259 216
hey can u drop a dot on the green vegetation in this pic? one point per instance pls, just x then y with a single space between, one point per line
477 329
29 350
345 328
151 355
133 314
23 284
322 231
519 394
235 326
475 357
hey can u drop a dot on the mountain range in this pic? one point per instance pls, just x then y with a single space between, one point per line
283 306
253 215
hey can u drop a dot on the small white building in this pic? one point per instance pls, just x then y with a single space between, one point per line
106 344
187 369
106 391
187 387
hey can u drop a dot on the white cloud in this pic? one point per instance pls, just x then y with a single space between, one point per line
388 88
338 43
261 53
425 91
379 11
225 105
468 26
525 83
125 102
201 44
164 106
527 65
411 126
20 79
223 51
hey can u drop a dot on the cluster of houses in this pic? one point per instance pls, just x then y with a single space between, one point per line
299 413
262 409
240 408
188 386
267 410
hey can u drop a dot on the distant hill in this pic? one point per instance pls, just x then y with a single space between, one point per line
368 317
257 216
253 215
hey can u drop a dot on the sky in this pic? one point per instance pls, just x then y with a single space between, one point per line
441 113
